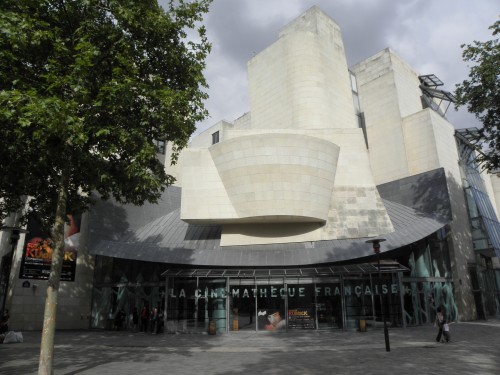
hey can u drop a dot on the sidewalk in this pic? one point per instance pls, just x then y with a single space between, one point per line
473 350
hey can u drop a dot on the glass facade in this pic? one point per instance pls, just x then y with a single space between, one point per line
238 304
485 230
279 304
233 301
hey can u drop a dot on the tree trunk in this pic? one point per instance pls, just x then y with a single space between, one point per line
45 365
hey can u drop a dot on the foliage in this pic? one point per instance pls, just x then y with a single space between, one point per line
481 94
86 87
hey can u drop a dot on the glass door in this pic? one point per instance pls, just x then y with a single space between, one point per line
211 299
329 303
301 304
182 305
242 300
359 301
271 305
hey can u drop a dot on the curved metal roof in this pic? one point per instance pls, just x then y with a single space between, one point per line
156 233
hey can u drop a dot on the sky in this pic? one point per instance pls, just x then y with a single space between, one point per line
427 34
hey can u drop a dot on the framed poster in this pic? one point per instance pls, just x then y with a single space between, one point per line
301 318
38 248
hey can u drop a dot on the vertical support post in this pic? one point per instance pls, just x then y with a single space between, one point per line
376 249
342 302
401 297
255 304
382 309
165 317
285 285
315 306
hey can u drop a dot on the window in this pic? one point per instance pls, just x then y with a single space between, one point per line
354 83
160 147
215 137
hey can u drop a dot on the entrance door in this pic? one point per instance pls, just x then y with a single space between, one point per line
242 297
329 303
301 304
271 305
211 307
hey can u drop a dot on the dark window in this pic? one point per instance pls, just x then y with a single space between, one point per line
160 147
215 137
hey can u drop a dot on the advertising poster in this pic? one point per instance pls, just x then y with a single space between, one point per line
37 252
300 318
270 320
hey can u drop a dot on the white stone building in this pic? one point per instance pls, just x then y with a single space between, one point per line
267 226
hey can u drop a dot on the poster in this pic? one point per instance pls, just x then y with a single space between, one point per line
38 248
270 320
301 318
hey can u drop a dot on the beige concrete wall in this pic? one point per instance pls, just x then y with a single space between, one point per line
406 140
298 156
379 99
301 81
430 143
493 186
203 194
353 207
272 177
204 139
419 140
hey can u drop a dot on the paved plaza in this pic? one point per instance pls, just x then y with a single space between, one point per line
474 350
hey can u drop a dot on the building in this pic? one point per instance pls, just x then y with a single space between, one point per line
270 222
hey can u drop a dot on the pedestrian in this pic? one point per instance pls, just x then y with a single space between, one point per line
159 321
153 320
439 323
446 331
119 319
144 319
135 319
4 323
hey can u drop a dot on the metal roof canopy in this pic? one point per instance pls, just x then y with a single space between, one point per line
333 270
430 80
429 84
439 94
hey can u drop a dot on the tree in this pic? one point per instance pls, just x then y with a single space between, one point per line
481 94
86 87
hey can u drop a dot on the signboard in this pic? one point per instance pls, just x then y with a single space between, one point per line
301 318
37 252
270 320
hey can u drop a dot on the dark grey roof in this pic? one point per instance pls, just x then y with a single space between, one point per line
331 270
156 233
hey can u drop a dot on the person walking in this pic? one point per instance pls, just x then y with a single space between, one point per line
439 323
446 331
4 323
144 319
135 319
153 320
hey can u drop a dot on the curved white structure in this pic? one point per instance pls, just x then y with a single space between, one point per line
277 177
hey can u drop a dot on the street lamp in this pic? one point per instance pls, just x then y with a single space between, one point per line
376 249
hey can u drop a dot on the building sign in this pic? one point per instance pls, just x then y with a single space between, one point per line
277 292
37 252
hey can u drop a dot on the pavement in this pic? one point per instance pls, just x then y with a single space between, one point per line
474 349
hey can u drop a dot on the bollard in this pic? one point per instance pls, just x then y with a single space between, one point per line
211 328
362 325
